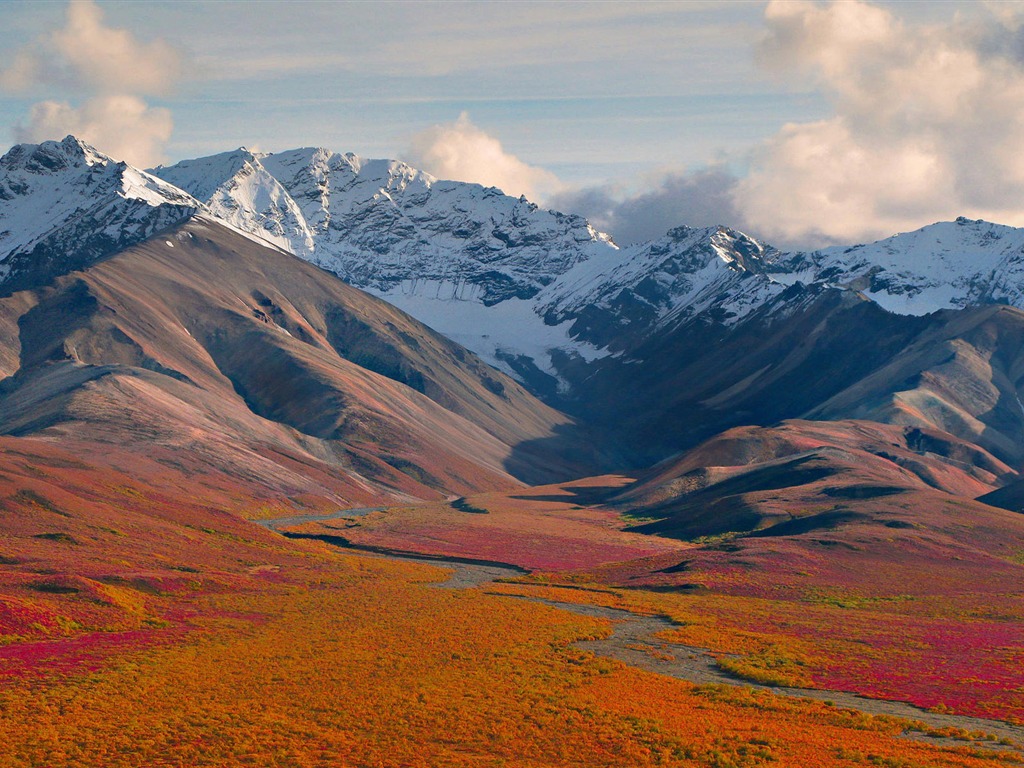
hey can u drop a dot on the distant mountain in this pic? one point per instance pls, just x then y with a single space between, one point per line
536 293
660 345
948 265
803 476
446 252
222 355
543 296
170 354
382 225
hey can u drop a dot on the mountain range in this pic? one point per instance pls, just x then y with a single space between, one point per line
436 337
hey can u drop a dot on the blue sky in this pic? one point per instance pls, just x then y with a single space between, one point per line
616 98
590 90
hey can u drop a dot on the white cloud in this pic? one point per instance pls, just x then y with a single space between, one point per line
927 124
461 151
122 126
113 60
114 69
86 53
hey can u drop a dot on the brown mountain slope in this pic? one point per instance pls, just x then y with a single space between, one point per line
804 476
962 375
818 354
852 507
244 359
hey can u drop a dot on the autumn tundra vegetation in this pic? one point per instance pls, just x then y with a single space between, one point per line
248 648
253 516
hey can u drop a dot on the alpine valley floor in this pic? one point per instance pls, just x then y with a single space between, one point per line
269 650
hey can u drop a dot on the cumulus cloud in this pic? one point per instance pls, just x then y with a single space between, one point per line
700 198
461 151
85 53
926 126
122 126
114 68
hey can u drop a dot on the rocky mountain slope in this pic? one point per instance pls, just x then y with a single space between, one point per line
211 351
379 224
537 286
705 329
541 295
63 205
521 286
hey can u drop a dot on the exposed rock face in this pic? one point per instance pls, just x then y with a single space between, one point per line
243 359
63 205
661 344
379 224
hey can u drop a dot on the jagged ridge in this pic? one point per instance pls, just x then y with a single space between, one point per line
63 205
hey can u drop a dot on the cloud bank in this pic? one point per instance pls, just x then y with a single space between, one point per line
111 65
461 151
701 198
927 123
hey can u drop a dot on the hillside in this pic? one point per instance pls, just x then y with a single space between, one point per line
204 341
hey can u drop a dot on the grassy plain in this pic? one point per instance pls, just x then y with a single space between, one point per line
355 661
144 626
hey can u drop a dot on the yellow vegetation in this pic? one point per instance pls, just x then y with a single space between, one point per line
362 663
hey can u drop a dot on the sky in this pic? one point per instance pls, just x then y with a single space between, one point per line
803 123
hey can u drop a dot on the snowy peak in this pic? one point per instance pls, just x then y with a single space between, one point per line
71 164
50 157
385 226
741 251
235 187
946 265
465 259
684 273
204 175
65 204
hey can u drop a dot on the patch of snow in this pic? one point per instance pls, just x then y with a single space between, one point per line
511 327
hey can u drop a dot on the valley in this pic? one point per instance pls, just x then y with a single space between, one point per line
640 640
706 502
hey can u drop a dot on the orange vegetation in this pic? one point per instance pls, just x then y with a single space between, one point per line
358 663
929 652
142 624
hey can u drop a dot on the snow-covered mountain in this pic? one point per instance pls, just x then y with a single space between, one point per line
702 329
467 260
661 343
518 285
689 272
532 291
948 265
383 225
64 205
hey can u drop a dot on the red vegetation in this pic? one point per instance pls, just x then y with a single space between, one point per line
542 528
103 567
